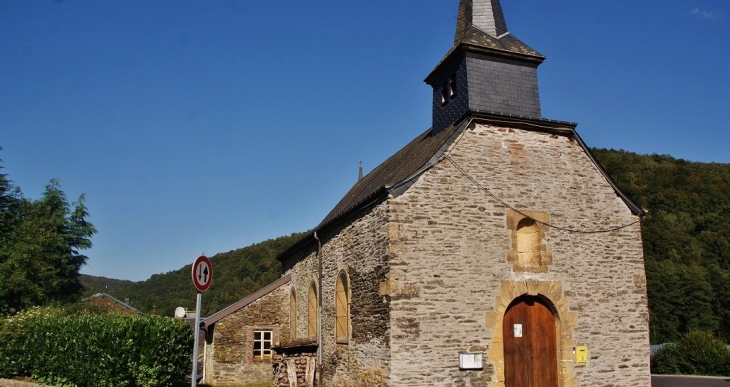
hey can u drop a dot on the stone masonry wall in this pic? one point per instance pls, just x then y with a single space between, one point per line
229 355
357 247
450 280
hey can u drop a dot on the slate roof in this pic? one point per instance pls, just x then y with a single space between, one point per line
487 14
476 40
506 42
397 168
482 23
227 311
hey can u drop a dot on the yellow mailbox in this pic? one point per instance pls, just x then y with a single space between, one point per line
581 354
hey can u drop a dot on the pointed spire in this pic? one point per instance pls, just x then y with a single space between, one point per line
484 14
359 175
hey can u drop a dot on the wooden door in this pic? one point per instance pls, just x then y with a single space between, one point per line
530 353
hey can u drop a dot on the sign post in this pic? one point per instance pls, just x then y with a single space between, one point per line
202 278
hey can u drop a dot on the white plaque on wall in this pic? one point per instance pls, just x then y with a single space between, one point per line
471 361
518 330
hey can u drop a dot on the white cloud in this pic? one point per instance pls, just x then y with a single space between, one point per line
705 14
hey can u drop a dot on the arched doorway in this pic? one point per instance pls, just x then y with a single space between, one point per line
530 344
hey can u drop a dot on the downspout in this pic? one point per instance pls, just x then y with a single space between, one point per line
319 311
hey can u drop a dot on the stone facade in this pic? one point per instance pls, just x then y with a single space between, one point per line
433 269
424 259
451 279
229 341
359 249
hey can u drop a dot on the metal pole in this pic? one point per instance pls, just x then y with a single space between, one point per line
194 379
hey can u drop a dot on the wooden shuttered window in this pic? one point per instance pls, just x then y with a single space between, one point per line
312 326
342 308
293 315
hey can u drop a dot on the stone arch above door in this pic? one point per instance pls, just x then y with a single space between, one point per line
552 293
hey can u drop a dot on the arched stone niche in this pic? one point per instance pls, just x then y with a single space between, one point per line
528 252
565 320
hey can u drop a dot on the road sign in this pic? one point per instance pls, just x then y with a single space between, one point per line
202 278
202 273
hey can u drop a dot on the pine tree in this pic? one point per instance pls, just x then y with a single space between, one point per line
40 243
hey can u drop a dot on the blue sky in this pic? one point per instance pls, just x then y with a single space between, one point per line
206 126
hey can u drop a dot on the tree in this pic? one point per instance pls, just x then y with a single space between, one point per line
40 247
9 200
686 237
697 353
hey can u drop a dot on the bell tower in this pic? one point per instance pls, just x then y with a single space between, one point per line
488 70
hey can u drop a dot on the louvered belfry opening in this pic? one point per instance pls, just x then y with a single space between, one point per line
493 71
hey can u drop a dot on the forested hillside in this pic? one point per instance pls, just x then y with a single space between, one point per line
237 273
686 237
93 285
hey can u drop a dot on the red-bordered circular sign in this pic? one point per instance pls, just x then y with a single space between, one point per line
202 273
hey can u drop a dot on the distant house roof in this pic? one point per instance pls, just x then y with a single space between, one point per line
114 301
396 173
225 312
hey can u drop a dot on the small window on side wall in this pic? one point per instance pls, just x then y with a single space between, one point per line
262 345
342 308
293 315
312 312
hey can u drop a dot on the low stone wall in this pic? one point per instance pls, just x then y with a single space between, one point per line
294 364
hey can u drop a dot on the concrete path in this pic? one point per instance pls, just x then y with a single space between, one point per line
16 383
688 381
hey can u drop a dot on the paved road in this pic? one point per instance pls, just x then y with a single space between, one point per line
688 381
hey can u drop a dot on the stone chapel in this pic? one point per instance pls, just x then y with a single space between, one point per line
493 250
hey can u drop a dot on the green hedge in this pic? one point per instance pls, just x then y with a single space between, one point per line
95 350
696 353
